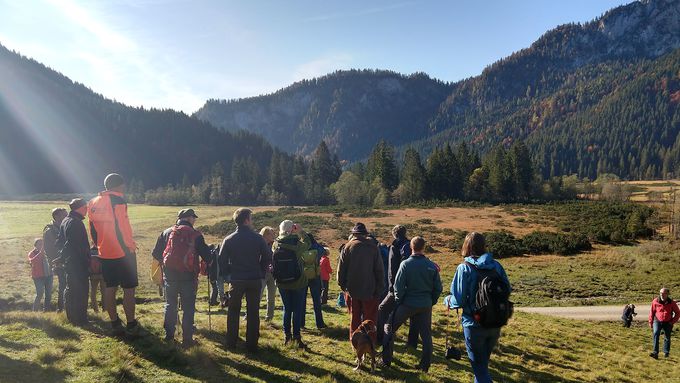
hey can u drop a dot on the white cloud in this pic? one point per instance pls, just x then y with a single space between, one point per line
322 65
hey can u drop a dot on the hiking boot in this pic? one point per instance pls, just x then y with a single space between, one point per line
299 343
654 355
133 329
666 355
323 326
117 328
189 343
287 340
213 302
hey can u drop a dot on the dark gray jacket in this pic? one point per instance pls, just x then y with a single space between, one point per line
72 244
244 255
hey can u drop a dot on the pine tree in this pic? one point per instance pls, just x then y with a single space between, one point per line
381 165
413 178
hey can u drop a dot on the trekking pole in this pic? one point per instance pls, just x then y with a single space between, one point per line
179 322
209 311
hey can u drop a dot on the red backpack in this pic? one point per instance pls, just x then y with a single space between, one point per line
180 251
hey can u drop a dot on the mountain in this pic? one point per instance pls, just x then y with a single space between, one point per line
349 110
58 136
588 99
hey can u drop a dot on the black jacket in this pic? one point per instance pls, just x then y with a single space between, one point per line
72 244
400 250
245 255
202 249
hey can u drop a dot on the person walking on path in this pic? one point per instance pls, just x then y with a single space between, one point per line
41 272
663 315
400 250
288 264
112 234
628 314
268 283
74 249
417 287
360 274
245 254
479 340
178 249
326 271
50 233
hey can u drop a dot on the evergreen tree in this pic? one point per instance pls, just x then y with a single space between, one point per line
381 165
413 178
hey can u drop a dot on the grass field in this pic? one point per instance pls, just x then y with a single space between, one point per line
44 348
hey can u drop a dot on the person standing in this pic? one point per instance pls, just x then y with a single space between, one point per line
269 235
312 260
112 234
245 254
417 287
360 274
74 253
41 273
178 249
326 271
628 314
663 315
400 250
288 265
479 340
96 280
50 233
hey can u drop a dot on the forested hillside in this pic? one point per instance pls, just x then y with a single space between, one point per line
58 136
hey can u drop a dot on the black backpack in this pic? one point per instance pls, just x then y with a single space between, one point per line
285 265
492 305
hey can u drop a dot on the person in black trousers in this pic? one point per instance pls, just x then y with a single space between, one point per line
74 253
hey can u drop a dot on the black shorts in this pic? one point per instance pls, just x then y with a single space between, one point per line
120 272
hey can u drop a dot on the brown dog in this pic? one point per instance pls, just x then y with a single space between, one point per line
363 343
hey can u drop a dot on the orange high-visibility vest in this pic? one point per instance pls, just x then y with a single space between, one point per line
113 240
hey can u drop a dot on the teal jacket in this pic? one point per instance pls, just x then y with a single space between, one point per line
417 283
299 246
464 285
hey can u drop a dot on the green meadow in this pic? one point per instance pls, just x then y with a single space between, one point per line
43 347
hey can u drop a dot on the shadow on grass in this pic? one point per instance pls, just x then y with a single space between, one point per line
44 323
14 304
4 343
14 370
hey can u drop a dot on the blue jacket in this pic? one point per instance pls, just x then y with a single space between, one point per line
417 283
464 285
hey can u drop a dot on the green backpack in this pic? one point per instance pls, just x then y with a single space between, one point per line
311 266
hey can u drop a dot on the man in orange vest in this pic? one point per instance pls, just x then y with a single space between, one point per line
111 232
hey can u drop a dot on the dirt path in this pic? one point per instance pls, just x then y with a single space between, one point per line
596 313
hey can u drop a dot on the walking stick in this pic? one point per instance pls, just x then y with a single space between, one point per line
209 311
179 322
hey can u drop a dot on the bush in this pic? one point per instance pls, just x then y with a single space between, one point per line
544 242
503 244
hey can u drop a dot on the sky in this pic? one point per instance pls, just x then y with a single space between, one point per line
179 53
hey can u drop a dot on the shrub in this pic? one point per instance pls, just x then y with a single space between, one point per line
503 244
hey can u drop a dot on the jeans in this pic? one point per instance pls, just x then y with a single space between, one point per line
315 290
479 342
61 280
420 319
666 327
269 283
361 310
184 285
43 288
293 304
76 294
324 292
251 290
96 283
385 309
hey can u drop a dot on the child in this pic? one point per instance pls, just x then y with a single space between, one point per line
41 272
326 270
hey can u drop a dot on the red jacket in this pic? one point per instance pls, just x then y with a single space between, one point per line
39 266
325 265
667 311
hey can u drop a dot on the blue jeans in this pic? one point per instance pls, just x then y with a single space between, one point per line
43 288
183 285
479 342
315 290
666 327
293 306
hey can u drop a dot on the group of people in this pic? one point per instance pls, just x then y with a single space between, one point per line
388 290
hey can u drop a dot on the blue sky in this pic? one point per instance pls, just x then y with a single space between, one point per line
177 53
